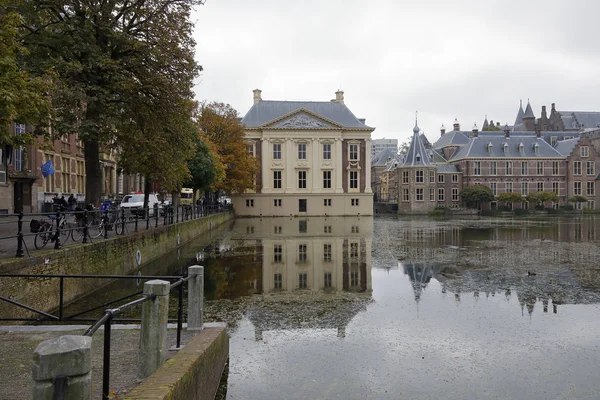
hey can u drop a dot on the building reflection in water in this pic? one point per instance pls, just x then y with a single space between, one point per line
315 273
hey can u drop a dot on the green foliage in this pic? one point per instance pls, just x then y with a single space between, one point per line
23 98
510 197
521 211
577 199
567 207
436 213
491 128
477 194
205 168
539 198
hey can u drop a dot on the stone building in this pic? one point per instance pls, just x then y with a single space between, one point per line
315 159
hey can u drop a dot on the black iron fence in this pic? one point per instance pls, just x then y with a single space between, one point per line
24 232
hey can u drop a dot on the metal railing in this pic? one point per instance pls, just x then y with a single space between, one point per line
87 225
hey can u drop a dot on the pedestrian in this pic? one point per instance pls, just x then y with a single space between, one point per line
72 202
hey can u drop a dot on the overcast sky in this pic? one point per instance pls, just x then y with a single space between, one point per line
446 59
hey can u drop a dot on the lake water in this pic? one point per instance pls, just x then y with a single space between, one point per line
405 308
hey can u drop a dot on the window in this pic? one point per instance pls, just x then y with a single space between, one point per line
302 226
509 187
249 202
354 250
536 148
353 150
276 151
278 281
327 202
302 280
49 180
2 166
301 179
20 130
524 188
81 178
477 168
523 167
493 168
277 202
354 202
540 186
590 189
419 194
302 253
353 278
576 167
591 204
353 179
405 195
66 174
405 177
249 229
326 252
505 147
431 194
327 151
301 205
494 187
419 178
584 151
327 280
276 179
540 168
327 229
250 148
508 167
302 151
277 253
277 229
555 186
577 188
440 178
432 176
454 194
590 168
553 140
454 178
355 229
555 167
440 194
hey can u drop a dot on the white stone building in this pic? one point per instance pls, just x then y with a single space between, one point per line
315 159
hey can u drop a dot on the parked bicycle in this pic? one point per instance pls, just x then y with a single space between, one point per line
45 231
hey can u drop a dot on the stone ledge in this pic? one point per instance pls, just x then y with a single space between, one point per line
194 373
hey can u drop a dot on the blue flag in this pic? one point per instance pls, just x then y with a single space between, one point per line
47 169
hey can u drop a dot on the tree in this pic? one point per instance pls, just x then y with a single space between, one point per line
219 123
510 197
404 146
578 199
476 194
23 98
107 55
205 167
539 198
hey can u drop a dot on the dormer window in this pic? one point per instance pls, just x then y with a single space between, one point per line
490 147
505 147
521 147
418 157
536 148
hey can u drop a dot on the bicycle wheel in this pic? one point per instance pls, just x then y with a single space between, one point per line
42 237
65 233
96 230
77 232
118 224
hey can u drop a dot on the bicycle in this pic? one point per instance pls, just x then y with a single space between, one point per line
45 231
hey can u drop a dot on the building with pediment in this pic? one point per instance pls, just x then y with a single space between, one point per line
315 159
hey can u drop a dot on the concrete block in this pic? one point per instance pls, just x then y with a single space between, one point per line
68 355
153 333
195 298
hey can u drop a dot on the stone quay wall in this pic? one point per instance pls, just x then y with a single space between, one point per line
121 255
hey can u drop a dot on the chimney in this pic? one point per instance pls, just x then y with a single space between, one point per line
553 107
257 97
339 96
456 125
475 130
498 124
442 130
506 131
538 132
544 115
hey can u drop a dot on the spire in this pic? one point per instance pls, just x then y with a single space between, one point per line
528 111
417 155
520 114
416 128
485 123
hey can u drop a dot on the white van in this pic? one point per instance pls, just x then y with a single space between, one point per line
134 203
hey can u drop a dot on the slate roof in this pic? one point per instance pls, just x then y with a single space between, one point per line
560 135
479 148
520 115
574 119
565 147
528 112
268 110
417 155
380 159
447 168
452 138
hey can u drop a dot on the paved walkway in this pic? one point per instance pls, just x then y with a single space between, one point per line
17 347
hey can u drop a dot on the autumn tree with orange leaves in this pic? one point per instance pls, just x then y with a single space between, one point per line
220 125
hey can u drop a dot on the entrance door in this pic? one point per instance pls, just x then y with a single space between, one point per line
18 197
301 205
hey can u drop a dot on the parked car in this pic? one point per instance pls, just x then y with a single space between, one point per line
134 203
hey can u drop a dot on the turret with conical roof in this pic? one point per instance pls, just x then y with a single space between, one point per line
529 118
416 155
485 124
520 114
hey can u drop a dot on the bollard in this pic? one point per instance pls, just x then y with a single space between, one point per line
156 215
148 218
136 221
20 252
177 215
57 233
195 298
153 335
62 366
86 233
